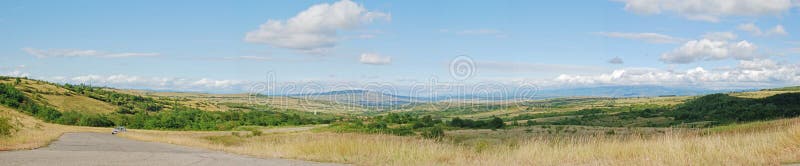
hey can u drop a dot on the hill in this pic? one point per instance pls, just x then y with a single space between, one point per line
56 96
141 111
360 98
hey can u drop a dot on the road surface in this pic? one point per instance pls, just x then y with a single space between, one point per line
106 149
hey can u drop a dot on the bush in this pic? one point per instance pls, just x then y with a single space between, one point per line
496 123
5 127
256 132
433 133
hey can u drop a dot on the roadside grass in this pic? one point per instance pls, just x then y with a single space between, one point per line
771 146
31 133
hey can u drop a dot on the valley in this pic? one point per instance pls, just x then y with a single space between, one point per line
693 129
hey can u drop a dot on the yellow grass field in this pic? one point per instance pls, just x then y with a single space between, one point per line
32 133
766 146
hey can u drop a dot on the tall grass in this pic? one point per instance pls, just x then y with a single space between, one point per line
30 133
765 147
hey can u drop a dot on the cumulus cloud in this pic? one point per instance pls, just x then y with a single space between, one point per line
616 60
778 30
748 73
647 37
46 53
315 29
710 10
706 49
375 59
154 83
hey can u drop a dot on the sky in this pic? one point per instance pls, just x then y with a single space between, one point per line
233 47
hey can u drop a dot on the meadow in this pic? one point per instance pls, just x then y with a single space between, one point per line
743 128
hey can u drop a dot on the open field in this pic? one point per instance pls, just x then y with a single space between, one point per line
220 102
762 147
607 131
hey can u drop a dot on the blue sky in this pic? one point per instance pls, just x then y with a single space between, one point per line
220 46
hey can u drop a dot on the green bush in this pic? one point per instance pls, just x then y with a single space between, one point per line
433 133
5 127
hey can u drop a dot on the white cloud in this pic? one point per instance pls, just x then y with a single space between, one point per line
16 73
747 74
40 53
758 64
315 29
710 10
155 83
647 37
750 27
720 36
707 49
616 60
375 59
778 30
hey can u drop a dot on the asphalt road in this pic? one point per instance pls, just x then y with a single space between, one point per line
106 149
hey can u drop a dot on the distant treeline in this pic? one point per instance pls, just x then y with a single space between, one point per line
724 109
409 124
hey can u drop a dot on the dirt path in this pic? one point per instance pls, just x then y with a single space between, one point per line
107 149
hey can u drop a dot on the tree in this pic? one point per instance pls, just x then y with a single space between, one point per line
496 123
457 122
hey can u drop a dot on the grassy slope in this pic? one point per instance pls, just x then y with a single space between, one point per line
33 133
60 98
217 102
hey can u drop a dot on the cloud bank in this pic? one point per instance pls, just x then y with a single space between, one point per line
314 29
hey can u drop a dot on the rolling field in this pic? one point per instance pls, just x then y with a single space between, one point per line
565 131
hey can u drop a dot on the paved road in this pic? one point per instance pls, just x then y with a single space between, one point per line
106 149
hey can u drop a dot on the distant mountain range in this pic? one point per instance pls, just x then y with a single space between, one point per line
371 98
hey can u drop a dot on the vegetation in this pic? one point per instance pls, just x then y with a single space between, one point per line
725 109
147 113
575 134
128 104
674 147
709 110
5 127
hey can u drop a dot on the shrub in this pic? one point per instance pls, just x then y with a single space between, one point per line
255 132
496 123
5 127
433 133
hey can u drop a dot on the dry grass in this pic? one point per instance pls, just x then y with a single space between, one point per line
81 104
215 102
32 133
760 94
764 147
